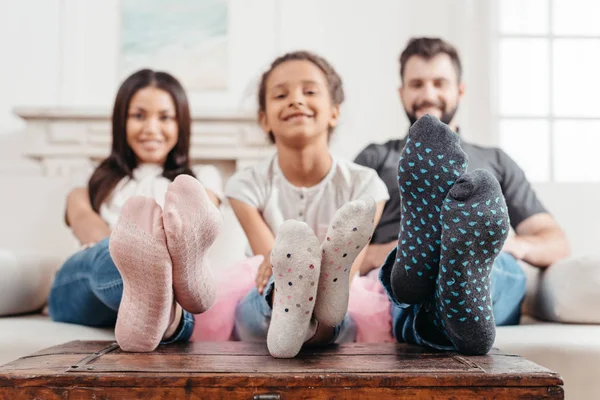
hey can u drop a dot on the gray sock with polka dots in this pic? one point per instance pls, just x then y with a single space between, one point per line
475 225
296 261
431 161
349 232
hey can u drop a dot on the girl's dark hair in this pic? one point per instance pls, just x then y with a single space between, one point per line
122 161
334 82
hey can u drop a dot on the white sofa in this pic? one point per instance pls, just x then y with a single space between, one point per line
33 229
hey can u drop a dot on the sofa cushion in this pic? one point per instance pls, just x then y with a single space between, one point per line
26 280
571 350
26 334
569 291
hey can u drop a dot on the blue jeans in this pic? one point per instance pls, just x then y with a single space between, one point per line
507 293
87 290
253 316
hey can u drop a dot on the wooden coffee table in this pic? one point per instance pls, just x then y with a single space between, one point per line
236 370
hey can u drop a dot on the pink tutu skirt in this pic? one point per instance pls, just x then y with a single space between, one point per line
234 283
368 306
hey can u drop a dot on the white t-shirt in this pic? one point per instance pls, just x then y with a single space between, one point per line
148 181
264 187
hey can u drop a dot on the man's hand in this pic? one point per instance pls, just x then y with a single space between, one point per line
515 247
375 256
540 241
264 273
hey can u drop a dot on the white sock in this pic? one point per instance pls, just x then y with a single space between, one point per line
349 232
296 262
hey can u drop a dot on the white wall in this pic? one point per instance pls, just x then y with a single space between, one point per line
66 53
58 52
30 43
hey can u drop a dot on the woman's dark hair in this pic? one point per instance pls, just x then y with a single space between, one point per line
122 161
334 82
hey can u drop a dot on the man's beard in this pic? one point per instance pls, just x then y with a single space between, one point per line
447 115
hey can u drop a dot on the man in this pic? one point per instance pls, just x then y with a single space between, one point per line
431 72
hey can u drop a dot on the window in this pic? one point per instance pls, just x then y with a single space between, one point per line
549 87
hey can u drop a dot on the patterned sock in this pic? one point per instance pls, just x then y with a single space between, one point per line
349 232
431 162
296 262
138 248
192 224
475 225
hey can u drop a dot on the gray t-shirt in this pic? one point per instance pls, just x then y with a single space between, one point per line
520 198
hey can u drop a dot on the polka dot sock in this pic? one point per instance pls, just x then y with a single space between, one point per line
475 225
349 232
296 262
430 163
138 248
192 224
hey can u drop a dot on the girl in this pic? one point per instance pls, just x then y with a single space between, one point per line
152 265
290 204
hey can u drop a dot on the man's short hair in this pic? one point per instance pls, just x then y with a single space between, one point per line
429 48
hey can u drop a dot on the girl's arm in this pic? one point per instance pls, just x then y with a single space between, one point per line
356 265
259 235
85 223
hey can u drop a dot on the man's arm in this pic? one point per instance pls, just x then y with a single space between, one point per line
539 241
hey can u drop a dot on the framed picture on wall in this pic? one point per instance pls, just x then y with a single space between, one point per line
217 49
187 38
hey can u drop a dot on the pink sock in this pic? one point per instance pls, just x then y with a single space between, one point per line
192 224
138 248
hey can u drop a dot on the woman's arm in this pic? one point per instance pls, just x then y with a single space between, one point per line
85 223
213 197
259 235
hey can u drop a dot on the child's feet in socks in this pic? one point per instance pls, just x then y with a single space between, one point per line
296 262
475 225
138 248
192 224
349 232
432 160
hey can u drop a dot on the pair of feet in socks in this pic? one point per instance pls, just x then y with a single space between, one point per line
453 226
312 278
160 255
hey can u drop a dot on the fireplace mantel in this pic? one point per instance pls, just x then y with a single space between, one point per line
68 140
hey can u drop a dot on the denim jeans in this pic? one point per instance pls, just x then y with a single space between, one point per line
507 293
87 290
253 316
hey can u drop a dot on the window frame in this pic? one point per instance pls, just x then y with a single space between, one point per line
551 117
